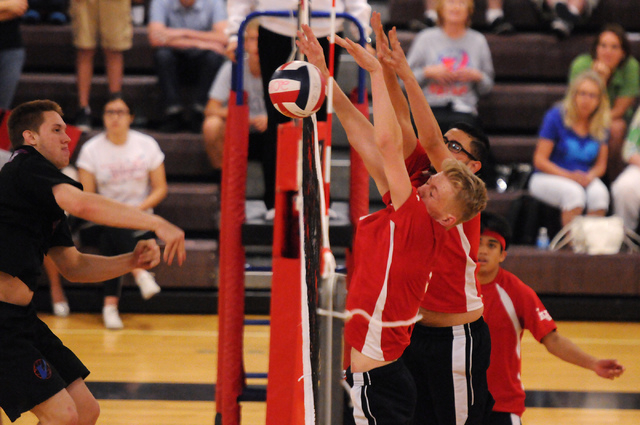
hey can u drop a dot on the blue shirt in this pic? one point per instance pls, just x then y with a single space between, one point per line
201 16
571 151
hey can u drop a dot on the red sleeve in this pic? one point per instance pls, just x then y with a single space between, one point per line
417 163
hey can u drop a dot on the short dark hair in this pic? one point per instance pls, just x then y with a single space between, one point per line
619 31
479 141
29 116
496 223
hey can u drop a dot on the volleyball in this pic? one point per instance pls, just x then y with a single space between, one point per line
297 89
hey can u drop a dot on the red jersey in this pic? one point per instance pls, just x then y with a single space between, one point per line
394 256
453 288
511 307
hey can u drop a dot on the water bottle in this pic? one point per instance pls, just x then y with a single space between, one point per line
542 242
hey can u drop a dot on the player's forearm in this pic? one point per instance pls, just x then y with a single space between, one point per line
96 268
101 210
566 350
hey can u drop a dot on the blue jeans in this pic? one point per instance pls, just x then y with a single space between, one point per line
11 61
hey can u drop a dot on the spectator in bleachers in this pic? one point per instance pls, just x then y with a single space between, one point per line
610 56
275 44
108 21
12 52
216 112
190 41
452 64
494 17
625 190
127 166
563 15
571 154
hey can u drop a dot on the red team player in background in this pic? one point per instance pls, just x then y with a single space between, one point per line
511 307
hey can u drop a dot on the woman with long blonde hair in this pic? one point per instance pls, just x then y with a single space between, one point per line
571 154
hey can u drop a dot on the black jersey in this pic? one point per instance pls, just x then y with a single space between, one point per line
30 219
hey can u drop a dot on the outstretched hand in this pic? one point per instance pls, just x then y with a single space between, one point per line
362 57
311 48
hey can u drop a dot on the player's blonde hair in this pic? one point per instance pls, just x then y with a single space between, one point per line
470 192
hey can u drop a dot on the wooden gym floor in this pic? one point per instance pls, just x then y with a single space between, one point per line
161 370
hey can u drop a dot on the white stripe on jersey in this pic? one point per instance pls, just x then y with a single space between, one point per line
373 342
511 312
474 301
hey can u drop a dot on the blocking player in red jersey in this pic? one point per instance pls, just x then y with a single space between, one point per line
450 346
511 307
395 248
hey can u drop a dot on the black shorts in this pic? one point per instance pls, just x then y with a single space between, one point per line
504 418
383 396
449 366
34 364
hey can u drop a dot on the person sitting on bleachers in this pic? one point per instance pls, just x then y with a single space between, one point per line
563 15
190 42
452 64
216 111
625 190
571 154
610 56
127 166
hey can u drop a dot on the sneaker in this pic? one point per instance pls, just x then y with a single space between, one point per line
563 12
111 317
31 17
270 214
57 18
61 309
147 284
501 27
561 28
83 119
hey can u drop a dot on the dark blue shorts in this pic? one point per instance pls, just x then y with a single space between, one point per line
34 364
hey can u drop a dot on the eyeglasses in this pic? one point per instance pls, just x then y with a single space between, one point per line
456 147
116 112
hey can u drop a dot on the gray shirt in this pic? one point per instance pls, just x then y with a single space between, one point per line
252 85
433 47
201 16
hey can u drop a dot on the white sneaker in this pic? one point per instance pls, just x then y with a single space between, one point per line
147 284
270 214
61 309
111 317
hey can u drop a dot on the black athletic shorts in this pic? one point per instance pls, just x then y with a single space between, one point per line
383 396
34 364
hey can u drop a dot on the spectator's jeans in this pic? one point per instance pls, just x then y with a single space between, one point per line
176 65
11 61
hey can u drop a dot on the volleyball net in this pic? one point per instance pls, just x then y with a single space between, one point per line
299 359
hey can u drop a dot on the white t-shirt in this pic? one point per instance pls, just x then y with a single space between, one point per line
121 171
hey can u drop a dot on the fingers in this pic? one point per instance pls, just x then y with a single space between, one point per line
147 254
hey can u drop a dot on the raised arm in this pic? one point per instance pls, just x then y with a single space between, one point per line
387 132
359 130
398 100
429 132
101 210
